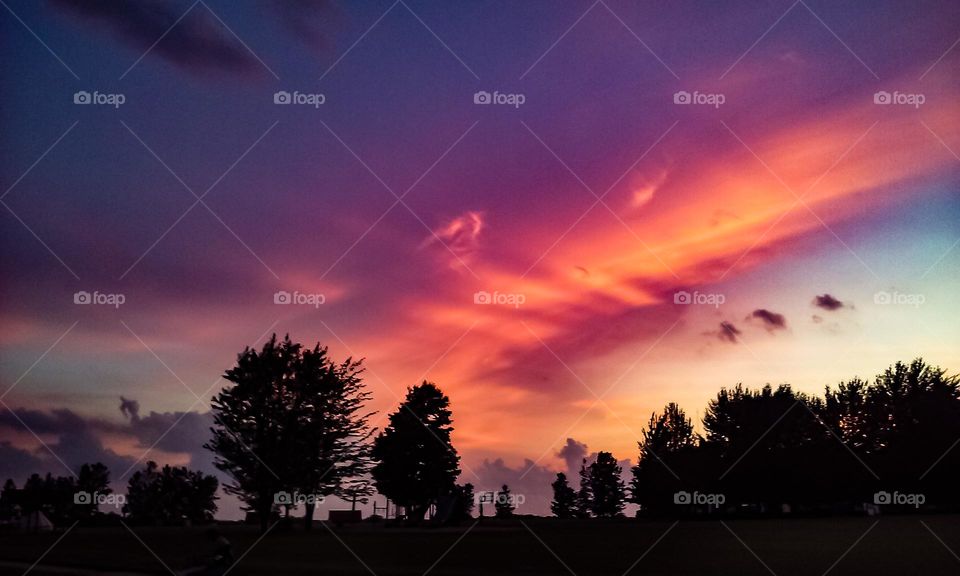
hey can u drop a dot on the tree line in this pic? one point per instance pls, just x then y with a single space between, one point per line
169 495
292 429
891 442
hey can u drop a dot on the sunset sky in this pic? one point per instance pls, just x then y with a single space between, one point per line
815 229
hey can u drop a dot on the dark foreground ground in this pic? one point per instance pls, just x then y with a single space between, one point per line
915 545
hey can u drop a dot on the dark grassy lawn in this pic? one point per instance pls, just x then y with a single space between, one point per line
895 545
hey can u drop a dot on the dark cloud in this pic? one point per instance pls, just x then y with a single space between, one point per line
176 432
77 440
197 43
573 453
828 302
771 320
530 480
17 463
728 332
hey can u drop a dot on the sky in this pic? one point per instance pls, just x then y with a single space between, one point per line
565 214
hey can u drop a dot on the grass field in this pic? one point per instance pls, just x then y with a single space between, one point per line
841 546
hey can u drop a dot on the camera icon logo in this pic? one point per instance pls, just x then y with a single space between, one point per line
882 97
282 498
881 497
82 498
681 297
281 297
82 297
681 497
482 97
482 297
282 97
681 97
882 297
82 97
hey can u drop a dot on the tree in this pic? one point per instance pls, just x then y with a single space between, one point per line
332 444
416 462
668 443
767 448
504 503
606 486
584 494
291 422
564 498
94 481
907 419
65 499
171 496
357 490
463 506
9 499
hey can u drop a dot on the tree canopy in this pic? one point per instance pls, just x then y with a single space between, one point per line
416 462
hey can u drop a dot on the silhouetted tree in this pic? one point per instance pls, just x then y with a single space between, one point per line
463 505
416 463
606 487
9 499
332 451
668 443
584 494
767 447
64 499
171 496
504 503
564 498
357 490
904 424
291 423
93 480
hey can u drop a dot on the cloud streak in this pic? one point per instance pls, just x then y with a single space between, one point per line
197 43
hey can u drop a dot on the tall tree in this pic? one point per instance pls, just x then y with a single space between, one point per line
94 479
416 462
564 498
332 446
606 486
668 442
584 494
291 422
504 503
